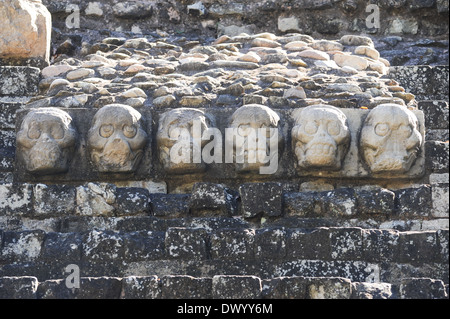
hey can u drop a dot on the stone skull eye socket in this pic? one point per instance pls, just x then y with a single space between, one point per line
34 131
129 131
382 129
311 128
106 130
334 128
405 131
57 132
244 130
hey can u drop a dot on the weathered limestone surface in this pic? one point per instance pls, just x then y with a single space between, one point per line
26 31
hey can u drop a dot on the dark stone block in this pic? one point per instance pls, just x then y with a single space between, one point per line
264 199
186 243
90 288
102 246
436 114
346 243
22 246
132 201
437 159
365 290
285 288
270 243
186 287
212 199
8 114
301 204
422 288
170 205
136 287
418 247
53 200
18 287
19 80
414 202
442 235
16 199
380 245
375 201
143 245
236 244
309 244
61 248
236 287
337 203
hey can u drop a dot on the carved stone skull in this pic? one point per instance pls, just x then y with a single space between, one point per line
321 137
179 140
117 139
390 139
46 141
250 121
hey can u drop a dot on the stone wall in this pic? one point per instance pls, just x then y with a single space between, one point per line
139 227
409 32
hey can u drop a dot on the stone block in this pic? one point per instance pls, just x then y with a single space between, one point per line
437 160
422 288
186 243
309 244
236 287
141 287
102 247
22 246
261 199
234 244
19 80
285 288
26 30
436 114
366 290
169 205
61 249
301 204
143 245
443 235
379 245
15 199
53 200
18 287
186 287
346 243
329 288
337 203
96 199
375 200
414 202
270 243
440 197
212 199
132 201
418 247
90 288
8 114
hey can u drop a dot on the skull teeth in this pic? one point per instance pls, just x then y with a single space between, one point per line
321 149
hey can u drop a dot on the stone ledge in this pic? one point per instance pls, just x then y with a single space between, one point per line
219 287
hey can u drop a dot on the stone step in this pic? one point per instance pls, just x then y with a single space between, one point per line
217 287
66 208
354 253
